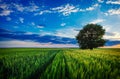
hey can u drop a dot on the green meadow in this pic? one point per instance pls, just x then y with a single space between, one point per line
59 63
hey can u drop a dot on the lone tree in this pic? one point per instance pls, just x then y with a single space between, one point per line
91 36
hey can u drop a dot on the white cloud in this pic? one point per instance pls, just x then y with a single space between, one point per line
115 36
66 9
63 24
19 7
67 32
4 6
18 43
44 11
93 7
97 21
40 26
100 1
8 19
112 32
28 33
113 12
113 2
107 28
5 9
30 8
21 20
5 12
43 33
90 9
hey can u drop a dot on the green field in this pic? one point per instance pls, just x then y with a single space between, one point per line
53 63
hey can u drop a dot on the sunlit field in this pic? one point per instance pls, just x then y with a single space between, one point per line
53 63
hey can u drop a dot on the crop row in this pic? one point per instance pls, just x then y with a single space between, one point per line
23 66
92 65
60 64
85 64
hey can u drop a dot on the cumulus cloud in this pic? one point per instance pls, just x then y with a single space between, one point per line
43 12
28 33
31 8
4 6
19 7
7 8
40 26
97 21
5 12
100 1
112 36
93 7
63 24
21 20
113 2
18 43
112 33
67 32
66 9
89 9
113 12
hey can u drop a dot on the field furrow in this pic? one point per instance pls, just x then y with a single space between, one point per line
56 69
42 68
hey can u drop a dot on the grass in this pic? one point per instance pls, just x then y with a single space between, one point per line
51 63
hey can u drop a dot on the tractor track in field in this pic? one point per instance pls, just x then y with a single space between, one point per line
41 70
66 69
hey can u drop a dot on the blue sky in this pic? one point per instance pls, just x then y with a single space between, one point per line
55 23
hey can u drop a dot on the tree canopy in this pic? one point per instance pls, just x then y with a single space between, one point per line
91 36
